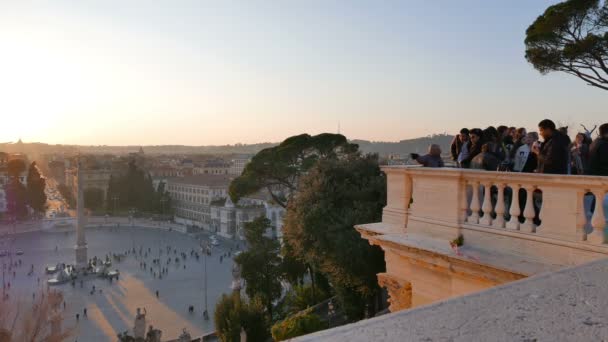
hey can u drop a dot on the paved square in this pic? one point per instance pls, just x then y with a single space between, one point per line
111 309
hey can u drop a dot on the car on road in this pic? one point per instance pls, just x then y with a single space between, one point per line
19 252
3 253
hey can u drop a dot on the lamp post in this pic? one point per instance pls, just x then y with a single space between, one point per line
115 198
205 250
163 200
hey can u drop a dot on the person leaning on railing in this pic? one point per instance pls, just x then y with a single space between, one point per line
459 148
598 153
554 153
432 159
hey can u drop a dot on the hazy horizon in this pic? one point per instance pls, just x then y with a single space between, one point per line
196 73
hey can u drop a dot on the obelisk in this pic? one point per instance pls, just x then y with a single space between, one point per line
81 242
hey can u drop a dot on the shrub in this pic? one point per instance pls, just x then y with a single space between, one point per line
297 325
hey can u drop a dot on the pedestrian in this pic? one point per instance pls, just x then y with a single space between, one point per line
579 155
525 159
156 293
458 148
77 317
598 153
473 147
485 160
85 312
431 159
553 155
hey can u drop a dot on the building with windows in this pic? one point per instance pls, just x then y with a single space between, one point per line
192 196
229 219
213 167
237 165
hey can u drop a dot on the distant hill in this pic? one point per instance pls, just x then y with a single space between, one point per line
417 145
383 148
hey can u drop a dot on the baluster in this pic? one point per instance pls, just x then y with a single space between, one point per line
499 221
528 225
581 216
474 217
598 220
464 205
514 211
487 205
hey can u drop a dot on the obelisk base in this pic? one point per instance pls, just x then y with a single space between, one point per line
81 257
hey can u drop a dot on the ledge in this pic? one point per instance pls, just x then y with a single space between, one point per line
567 305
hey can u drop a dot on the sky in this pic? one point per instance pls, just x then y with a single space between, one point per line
195 72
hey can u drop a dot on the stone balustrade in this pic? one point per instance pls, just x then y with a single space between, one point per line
556 206
447 232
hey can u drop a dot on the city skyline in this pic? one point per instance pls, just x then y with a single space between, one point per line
151 73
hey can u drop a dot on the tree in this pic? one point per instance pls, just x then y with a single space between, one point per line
67 194
93 198
277 169
16 198
133 190
319 226
227 317
261 264
233 313
15 167
297 325
255 320
25 321
571 37
35 188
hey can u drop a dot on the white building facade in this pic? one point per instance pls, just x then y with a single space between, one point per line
192 197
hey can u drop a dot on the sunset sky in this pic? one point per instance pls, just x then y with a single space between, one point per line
202 72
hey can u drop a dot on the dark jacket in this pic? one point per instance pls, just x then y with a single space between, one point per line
598 155
474 149
428 160
485 161
554 153
455 148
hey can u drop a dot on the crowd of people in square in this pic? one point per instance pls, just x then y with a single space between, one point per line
514 149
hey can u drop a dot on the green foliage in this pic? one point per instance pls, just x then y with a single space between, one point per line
16 199
93 198
255 321
278 168
297 325
459 241
67 195
134 190
260 264
227 318
334 196
292 269
36 197
233 312
303 297
571 37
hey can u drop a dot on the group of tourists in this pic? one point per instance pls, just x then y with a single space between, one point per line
513 149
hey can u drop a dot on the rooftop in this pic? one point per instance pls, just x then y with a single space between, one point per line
202 180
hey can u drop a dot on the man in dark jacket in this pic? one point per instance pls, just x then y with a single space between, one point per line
598 153
554 152
457 143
